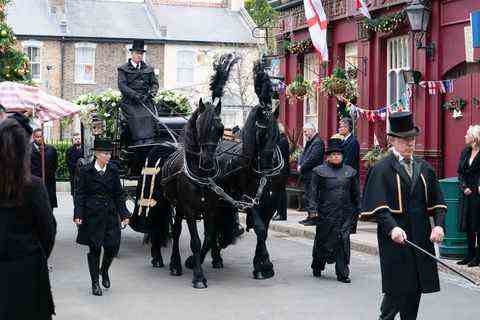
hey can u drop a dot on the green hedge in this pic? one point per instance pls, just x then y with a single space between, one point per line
62 169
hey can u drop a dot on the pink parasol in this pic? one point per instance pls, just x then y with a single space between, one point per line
15 96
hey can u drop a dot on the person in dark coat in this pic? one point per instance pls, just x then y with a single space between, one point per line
72 155
51 165
403 192
27 230
99 201
469 179
279 187
311 157
351 147
336 199
138 84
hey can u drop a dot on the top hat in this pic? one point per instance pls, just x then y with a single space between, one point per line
334 144
102 145
401 125
138 45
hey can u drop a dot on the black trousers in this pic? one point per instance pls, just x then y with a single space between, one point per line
472 239
407 305
280 198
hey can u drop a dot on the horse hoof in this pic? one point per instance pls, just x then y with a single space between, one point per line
189 264
217 264
157 263
200 284
175 272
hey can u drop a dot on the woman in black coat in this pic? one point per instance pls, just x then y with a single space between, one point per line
27 230
99 201
468 177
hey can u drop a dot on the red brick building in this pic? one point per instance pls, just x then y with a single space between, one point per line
380 58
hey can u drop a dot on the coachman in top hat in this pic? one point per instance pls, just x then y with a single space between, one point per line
138 84
403 192
99 208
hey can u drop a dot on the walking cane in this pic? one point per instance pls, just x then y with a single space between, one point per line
413 245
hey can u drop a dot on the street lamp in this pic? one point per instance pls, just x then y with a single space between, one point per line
419 17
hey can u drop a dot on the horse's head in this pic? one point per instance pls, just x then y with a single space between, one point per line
209 131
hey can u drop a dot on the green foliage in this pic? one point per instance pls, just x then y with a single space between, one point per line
261 12
374 155
299 88
174 102
13 63
62 169
337 84
386 23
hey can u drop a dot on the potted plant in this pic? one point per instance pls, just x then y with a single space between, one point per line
299 88
338 84
374 155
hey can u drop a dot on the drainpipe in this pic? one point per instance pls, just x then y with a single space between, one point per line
62 65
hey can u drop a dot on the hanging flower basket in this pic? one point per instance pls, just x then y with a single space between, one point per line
455 105
299 88
373 156
338 84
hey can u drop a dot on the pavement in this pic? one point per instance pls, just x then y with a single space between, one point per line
140 292
365 240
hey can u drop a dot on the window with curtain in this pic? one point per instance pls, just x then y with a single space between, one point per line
398 59
311 71
85 62
185 66
33 50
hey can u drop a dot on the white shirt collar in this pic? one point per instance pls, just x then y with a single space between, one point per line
346 138
98 168
135 65
398 155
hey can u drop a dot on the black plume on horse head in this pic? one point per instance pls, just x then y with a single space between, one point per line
263 84
221 68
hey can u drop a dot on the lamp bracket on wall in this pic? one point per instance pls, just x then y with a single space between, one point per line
430 48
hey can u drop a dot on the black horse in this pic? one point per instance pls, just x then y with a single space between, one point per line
186 174
248 171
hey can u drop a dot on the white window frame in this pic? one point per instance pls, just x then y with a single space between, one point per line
182 81
351 55
84 45
36 45
311 71
398 59
129 54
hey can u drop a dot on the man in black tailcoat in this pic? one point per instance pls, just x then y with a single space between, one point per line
351 147
138 84
311 157
403 192
72 155
99 208
51 165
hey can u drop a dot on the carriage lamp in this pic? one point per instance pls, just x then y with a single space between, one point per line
419 17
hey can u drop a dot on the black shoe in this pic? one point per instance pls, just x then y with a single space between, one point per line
344 279
474 263
106 263
309 221
278 218
96 290
465 260
157 263
317 273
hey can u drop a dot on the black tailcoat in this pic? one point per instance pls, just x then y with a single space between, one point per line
312 156
351 152
336 197
99 201
71 156
135 85
27 236
398 201
51 164
469 177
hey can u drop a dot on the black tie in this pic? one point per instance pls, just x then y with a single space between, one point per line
407 164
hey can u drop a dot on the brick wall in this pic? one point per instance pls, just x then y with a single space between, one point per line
108 56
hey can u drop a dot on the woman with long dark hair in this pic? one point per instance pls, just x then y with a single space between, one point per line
27 229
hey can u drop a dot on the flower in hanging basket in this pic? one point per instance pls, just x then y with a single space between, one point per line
299 88
338 84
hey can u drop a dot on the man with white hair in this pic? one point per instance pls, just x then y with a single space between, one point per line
311 157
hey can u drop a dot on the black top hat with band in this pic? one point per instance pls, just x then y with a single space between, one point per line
102 145
138 45
334 145
401 125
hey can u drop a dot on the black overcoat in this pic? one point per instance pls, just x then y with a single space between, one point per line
71 156
336 197
285 150
399 201
351 152
51 165
468 177
136 86
27 235
312 156
99 201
